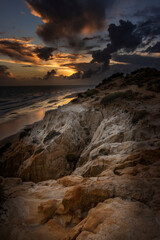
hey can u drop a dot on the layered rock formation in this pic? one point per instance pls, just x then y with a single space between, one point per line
108 143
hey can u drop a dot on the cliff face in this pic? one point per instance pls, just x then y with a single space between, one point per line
108 142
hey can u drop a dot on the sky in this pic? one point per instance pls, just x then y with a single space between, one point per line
61 42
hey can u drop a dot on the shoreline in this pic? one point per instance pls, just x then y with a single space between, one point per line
29 119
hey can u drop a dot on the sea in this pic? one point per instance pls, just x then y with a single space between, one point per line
24 105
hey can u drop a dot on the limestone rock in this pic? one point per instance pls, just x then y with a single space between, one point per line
88 170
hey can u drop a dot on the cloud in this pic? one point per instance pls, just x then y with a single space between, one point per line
4 72
83 74
22 50
77 75
69 19
16 50
121 36
97 37
84 70
139 60
44 53
150 26
90 48
49 74
124 35
27 66
154 49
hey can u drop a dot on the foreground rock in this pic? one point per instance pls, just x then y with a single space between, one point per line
82 208
51 148
108 142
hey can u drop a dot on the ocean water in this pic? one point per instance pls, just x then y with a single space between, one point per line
24 105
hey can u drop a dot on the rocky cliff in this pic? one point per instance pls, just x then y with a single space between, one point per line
90 169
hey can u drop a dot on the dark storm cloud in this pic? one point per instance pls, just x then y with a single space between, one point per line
83 74
68 19
150 26
84 70
89 48
129 37
122 36
21 50
154 49
98 37
44 53
4 72
140 61
16 50
77 75
89 73
49 74
148 12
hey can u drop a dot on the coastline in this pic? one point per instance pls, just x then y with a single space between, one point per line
17 124
11 137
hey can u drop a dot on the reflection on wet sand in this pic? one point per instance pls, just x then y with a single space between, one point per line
13 126
24 118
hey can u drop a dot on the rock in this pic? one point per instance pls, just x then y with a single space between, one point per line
46 210
87 171
118 219
120 207
64 136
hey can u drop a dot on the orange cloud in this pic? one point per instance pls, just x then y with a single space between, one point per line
23 51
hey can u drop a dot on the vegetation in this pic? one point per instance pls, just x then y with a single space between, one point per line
75 100
107 80
146 71
137 116
51 135
91 92
80 95
112 96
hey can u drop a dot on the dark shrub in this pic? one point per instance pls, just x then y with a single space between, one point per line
112 96
91 92
96 99
75 100
137 116
80 95
107 80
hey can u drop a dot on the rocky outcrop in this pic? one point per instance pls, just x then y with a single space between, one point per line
117 207
53 146
93 167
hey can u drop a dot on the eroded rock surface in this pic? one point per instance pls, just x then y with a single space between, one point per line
88 170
